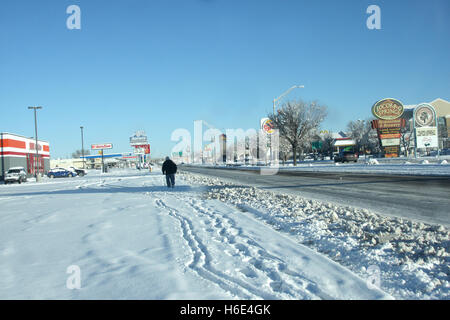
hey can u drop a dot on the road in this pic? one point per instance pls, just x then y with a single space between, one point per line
421 198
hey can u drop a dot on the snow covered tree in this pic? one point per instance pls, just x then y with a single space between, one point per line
285 147
327 144
406 136
359 131
362 133
297 122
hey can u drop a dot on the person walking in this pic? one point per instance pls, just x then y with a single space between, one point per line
169 168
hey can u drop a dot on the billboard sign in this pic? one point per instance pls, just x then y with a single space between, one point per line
139 138
142 149
390 142
424 115
387 109
427 137
383 124
101 146
267 126
316 145
389 125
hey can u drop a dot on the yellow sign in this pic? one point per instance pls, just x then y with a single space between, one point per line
267 126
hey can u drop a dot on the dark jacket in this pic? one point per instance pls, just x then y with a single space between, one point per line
169 167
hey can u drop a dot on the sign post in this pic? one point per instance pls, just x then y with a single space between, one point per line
425 127
101 147
140 144
389 123
268 128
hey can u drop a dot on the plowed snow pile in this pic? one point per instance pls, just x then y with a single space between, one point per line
411 258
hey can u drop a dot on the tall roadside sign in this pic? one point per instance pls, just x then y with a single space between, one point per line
139 142
388 125
268 128
101 147
425 127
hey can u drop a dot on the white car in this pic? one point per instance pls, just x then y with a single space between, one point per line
16 174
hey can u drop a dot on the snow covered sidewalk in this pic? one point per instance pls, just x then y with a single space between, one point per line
131 238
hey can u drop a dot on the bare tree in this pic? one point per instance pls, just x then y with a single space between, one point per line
296 122
359 131
285 147
362 133
442 132
327 144
79 153
406 135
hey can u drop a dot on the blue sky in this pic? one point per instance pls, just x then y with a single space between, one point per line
158 65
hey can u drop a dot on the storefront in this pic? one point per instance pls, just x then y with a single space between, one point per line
343 144
20 151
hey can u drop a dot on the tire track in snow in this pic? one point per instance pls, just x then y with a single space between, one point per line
201 261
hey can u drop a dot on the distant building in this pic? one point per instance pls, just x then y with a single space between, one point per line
342 141
223 148
20 151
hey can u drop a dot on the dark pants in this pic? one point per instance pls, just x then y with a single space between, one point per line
170 179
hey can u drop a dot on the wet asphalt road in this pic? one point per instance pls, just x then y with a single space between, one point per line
423 198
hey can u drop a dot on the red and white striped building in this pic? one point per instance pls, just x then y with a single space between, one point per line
19 151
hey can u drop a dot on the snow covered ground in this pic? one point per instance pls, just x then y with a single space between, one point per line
411 258
131 238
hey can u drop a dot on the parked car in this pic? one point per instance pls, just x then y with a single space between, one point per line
16 174
60 172
79 172
346 156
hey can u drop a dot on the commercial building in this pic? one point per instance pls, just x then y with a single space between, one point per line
122 160
20 151
341 141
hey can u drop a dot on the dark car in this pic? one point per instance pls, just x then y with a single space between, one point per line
60 172
346 156
79 172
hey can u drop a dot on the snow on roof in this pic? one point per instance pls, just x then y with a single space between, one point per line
344 143
439 100
338 135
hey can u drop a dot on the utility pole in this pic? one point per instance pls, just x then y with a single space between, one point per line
82 147
3 157
36 146
103 163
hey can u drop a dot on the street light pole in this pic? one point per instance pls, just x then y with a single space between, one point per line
277 99
82 146
285 93
36 146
